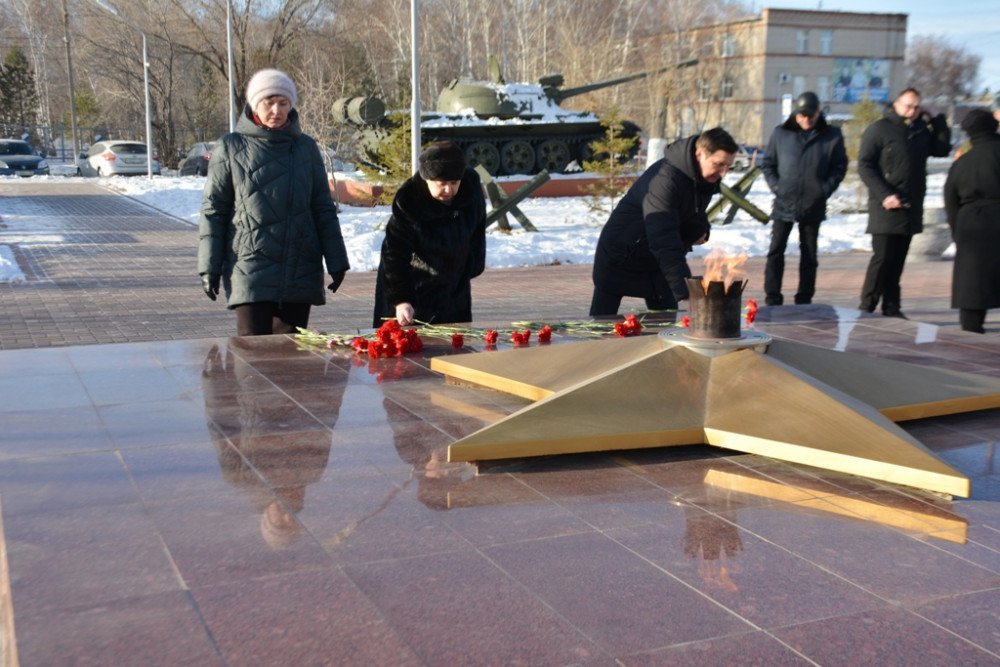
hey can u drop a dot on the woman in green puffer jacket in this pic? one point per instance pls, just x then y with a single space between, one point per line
268 221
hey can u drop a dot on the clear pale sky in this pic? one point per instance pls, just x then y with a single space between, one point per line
972 24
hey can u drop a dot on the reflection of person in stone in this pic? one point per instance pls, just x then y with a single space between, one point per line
642 250
804 164
435 477
272 467
972 203
711 535
892 162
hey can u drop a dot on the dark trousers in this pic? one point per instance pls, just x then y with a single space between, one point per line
884 272
775 269
607 303
972 320
266 317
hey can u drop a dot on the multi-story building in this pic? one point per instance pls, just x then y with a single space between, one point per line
750 71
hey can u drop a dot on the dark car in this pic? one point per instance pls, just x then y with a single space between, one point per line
195 163
18 158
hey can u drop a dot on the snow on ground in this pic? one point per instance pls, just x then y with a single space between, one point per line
10 272
568 229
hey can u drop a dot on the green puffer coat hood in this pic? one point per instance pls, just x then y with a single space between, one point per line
267 218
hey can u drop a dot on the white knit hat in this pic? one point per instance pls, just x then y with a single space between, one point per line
268 82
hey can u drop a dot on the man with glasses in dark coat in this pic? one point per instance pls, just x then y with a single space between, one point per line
892 162
642 250
804 164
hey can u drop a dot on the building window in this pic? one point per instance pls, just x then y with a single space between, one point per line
825 42
684 44
726 89
823 87
687 125
728 46
708 45
802 41
704 91
798 85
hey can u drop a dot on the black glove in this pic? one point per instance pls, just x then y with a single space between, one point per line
336 278
210 283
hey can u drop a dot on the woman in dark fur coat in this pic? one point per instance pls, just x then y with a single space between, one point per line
972 202
435 242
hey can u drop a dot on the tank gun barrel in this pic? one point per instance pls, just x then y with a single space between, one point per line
558 95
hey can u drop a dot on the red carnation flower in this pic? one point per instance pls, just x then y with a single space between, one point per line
630 327
520 338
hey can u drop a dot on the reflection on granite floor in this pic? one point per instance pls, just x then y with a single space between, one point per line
237 501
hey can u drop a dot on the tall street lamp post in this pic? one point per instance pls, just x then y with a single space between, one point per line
415 88
108 7
229 64
72 92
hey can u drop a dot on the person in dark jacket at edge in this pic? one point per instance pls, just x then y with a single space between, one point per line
643 247
804 164
435 242
268 221
972 204
892 162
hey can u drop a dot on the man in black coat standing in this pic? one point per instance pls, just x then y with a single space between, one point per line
804 164
643 247
892 163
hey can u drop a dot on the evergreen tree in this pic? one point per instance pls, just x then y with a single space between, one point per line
393 155
18 96
863 114
610 160
88 111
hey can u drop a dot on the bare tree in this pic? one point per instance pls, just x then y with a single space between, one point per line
265 33
938 68
336 48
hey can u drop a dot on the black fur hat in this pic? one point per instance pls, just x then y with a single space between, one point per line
442 161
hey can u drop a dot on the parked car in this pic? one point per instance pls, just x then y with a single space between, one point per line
109 158
748 156
195 163
18 158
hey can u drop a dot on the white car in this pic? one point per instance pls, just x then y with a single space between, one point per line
109 158
746 157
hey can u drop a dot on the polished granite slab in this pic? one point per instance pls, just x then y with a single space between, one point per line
246 501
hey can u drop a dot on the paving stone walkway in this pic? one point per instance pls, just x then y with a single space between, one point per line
104 268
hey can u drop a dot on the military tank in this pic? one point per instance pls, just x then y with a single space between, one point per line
508 128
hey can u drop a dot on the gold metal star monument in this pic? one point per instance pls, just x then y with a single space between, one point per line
754 394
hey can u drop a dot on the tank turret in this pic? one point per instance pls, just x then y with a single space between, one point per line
508 128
